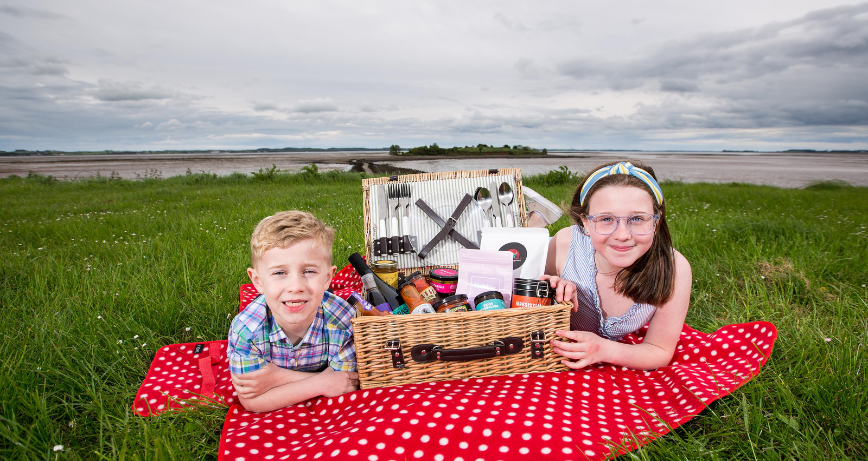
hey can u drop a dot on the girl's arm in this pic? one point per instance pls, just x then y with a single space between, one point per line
660 341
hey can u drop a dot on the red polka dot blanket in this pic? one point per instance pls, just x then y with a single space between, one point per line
588 414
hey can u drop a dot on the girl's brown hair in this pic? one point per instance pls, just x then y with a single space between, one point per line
651 279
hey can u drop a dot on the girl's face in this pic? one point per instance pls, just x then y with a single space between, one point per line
621 248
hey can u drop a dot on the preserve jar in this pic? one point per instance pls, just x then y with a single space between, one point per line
427 292
489 301
387 270
444 280
455 303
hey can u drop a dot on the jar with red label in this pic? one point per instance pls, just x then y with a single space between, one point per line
456 303
531 293
444 280
427 292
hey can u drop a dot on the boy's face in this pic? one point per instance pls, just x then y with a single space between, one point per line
293 280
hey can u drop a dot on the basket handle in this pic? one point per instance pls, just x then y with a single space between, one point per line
424 353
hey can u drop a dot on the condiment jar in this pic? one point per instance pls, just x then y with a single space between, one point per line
531 293
414 300
444 280
387 270
456 303
489 301
426 291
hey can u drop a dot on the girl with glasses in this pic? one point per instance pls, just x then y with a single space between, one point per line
619 269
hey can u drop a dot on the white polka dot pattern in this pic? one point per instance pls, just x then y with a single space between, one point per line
567 415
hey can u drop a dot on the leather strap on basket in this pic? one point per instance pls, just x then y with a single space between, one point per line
450 224
394 348
537 344
424 353
205 364
440 222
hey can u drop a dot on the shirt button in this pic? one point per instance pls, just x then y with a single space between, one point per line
292 362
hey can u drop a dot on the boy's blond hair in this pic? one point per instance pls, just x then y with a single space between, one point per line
287 227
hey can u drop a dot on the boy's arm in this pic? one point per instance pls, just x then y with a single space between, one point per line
255 383
328 383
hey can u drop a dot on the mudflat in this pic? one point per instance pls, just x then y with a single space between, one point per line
769 168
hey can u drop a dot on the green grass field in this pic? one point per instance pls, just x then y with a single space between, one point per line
98 274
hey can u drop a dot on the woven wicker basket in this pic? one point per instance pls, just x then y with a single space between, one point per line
466 181
455 331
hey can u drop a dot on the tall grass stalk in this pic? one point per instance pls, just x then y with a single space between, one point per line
97 274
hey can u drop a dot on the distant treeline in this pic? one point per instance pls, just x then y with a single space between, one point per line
193 151
479 149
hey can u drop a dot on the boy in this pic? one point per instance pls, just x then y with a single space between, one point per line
295 341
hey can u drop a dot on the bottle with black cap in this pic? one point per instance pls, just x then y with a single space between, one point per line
374 284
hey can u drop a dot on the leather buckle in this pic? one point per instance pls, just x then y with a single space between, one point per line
537 344
394 348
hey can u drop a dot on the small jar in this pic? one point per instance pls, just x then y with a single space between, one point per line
387 270
531 293
427 292
444 281
414 300
489 301
456 303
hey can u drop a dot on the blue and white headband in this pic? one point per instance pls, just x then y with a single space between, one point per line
622 168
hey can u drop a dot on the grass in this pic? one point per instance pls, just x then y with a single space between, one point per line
98 274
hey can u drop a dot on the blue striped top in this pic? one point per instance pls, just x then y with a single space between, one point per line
581 269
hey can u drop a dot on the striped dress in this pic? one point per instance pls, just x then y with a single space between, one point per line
581 269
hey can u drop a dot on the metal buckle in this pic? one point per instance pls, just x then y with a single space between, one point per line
393 345
537 336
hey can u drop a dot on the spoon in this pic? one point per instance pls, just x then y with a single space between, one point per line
504 193
483 198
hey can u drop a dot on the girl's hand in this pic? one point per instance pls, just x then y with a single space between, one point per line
587 349
564 290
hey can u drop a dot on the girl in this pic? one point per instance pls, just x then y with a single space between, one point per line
618 267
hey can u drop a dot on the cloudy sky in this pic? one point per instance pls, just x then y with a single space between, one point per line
667 74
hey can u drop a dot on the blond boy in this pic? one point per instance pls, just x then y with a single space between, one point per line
295 341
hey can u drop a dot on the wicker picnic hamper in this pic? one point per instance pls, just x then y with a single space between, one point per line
376 348
385 345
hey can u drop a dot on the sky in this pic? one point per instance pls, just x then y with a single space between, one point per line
662 75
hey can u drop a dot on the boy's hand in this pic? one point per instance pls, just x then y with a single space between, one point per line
336 383
587 349
564 290
256 383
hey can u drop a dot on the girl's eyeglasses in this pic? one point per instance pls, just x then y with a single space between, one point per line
638 224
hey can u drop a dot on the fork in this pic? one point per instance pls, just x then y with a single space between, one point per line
404 204
393 206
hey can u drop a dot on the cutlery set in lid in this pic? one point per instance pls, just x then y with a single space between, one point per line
422 220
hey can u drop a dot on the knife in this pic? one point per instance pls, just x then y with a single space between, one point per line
496 220
382 209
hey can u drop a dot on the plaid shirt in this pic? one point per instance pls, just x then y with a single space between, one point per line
256 339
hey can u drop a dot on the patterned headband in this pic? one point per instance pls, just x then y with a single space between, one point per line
622 168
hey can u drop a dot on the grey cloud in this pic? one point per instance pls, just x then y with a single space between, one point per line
679 86
264 106
809 70
315 105
115 91
25 12
511 24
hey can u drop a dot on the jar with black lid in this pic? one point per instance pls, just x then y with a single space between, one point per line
444 280
489 301
456 303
